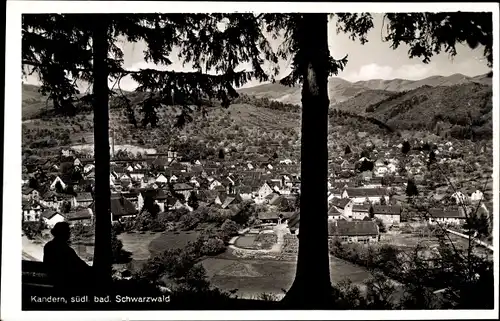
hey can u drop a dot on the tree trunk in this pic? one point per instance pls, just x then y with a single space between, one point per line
312 287
102 250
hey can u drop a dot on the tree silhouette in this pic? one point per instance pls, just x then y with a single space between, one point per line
406 147
432 159
411 188
193 200
370 212
221 154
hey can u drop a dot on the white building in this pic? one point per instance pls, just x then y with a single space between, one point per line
476 196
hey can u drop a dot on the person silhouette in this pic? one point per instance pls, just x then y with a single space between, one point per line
66 270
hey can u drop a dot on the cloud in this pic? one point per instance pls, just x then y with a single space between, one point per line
375 71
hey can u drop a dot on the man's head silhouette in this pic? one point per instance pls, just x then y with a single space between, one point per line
61 231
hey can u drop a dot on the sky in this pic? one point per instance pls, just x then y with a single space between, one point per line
373 60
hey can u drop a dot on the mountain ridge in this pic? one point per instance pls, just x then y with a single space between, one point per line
341 90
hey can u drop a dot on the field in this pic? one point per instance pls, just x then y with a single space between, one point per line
254 277
171 240
138 244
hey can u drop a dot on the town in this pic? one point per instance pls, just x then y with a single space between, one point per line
369 198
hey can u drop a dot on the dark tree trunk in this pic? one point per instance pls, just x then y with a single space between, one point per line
102 251
312 287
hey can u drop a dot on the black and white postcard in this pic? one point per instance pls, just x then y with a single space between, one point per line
203 160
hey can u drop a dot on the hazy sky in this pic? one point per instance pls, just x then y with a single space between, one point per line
373 60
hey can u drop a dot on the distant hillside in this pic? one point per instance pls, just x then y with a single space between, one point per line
341 90
461 109
33 102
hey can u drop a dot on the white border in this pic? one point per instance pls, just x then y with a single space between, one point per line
11 242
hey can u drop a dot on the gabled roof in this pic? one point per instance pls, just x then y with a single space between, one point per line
366 192
446 213
85 196
352 228
49 213
340 202
333 211
182 187
228 201
219 188
276 199
79 215
27 190
121 206
387 210
361 208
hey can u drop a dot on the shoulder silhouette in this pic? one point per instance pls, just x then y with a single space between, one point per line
64 267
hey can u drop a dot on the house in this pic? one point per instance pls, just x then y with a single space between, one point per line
344 206
213 184
460 198
132 196
32 211
245 192
84 217
345 164
195 182
77 162
264 190
161 179
231 200
362 195
334 214
51 217
392 168
275 217
388 214
366 175
184 189
173 178
446 216
381 170
52 199
138 174
82 200
359 212
30 194
374 182
57 181
122 208
353 231
477 196
159 197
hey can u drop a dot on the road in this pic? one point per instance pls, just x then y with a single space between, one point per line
486 245
32 251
